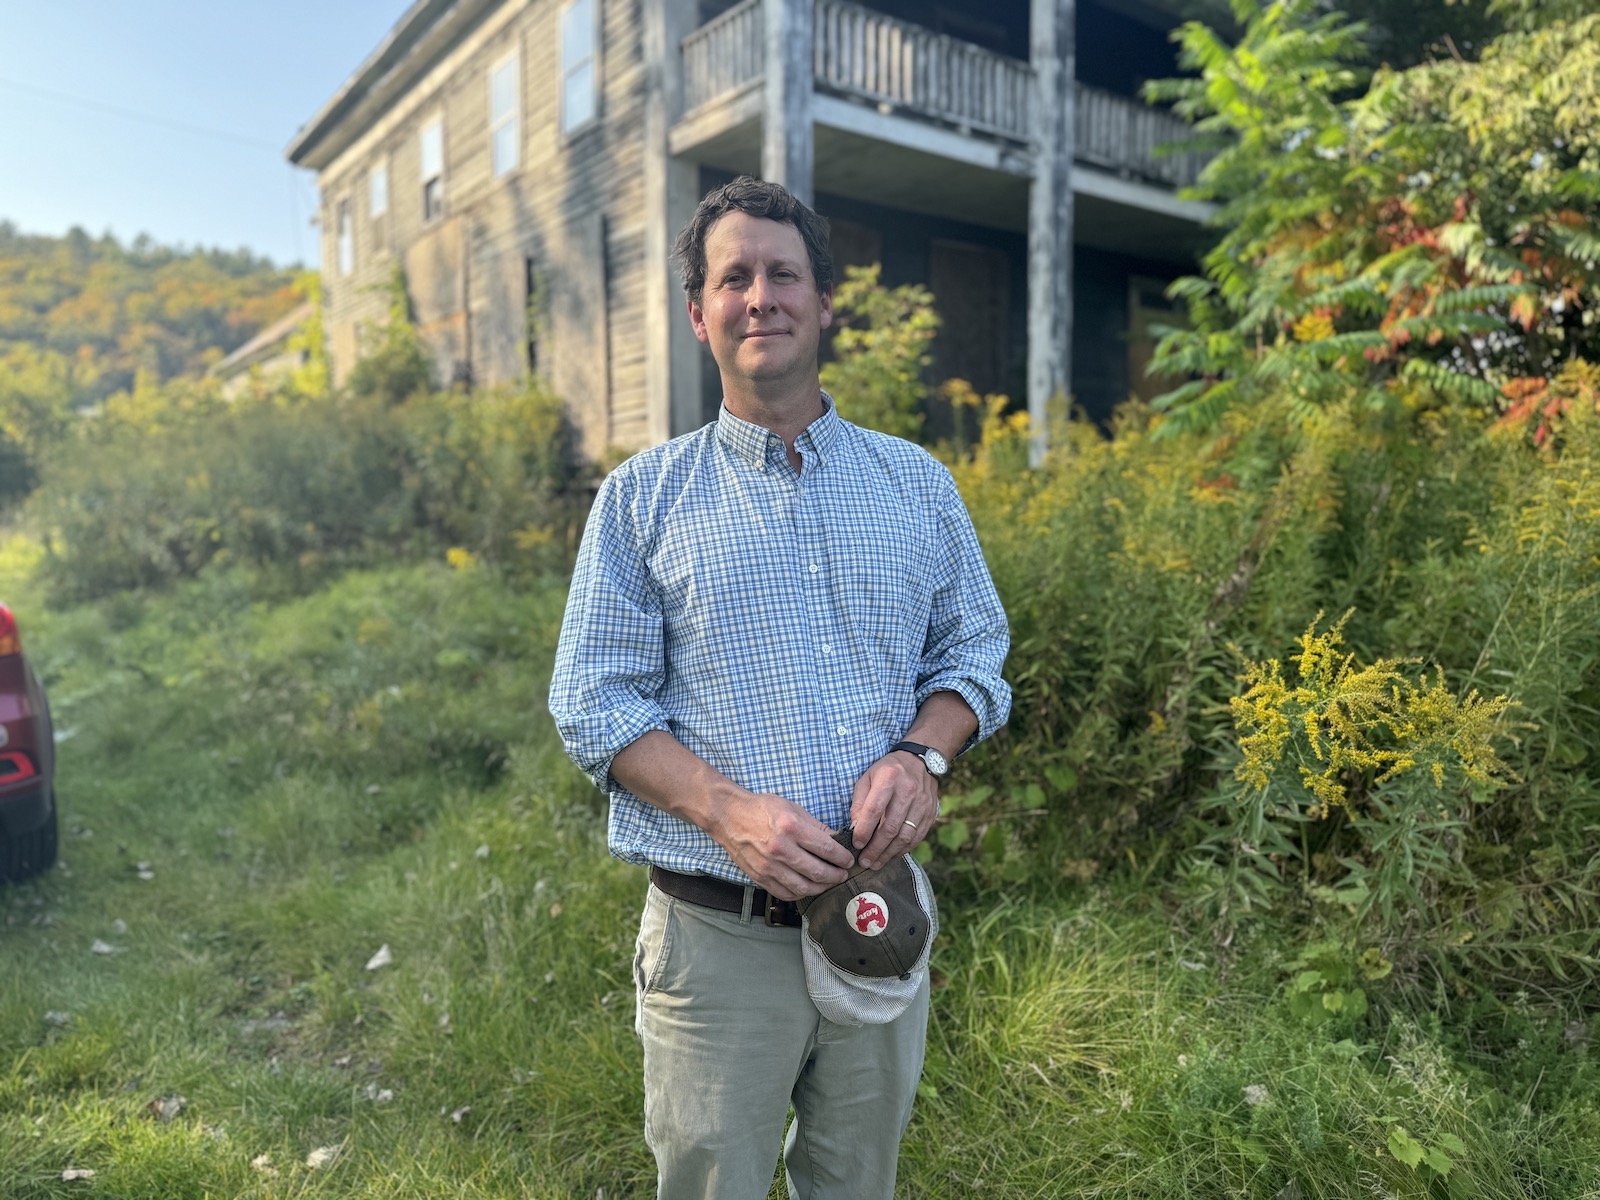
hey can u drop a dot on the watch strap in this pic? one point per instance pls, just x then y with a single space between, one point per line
920 751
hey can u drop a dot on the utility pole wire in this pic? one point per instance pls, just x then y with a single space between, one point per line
148 118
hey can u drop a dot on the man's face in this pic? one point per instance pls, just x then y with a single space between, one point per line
760 311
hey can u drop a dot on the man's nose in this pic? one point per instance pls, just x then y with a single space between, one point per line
760 297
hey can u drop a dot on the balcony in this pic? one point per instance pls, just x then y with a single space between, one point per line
872 65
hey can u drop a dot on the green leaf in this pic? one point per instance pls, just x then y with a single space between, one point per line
1307 1006
1373 964
994 844
1033 796
1570 752
1063 779
1451 1143
926 1090
1439 1160
1404 1147
953 834
923 853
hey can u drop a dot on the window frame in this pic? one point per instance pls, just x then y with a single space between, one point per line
513 59
566 70
432 123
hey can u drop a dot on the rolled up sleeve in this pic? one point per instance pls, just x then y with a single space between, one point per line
609 663
967 637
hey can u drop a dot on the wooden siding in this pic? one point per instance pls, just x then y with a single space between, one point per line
574 207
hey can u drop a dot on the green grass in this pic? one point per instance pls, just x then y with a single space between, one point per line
309 779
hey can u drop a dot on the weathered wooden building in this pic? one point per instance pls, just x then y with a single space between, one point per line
528 163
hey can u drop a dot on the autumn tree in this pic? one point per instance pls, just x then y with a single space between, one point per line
1403 240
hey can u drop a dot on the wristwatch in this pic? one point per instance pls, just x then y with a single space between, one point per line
938 765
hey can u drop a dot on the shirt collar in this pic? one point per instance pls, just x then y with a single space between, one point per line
754 443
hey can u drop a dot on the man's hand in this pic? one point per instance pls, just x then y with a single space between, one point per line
781 846
894 807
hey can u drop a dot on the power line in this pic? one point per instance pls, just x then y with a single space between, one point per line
131 115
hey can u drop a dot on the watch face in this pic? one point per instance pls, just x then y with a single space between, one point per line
936 762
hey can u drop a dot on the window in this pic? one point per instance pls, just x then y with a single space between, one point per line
503 124
578 67
432 169
378 190
346 244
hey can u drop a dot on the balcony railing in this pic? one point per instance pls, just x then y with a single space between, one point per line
868 55
863 53
1124 135
724 54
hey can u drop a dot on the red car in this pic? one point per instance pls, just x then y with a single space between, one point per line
27 763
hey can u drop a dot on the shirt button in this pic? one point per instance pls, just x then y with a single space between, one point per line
843 732
827 649
815 568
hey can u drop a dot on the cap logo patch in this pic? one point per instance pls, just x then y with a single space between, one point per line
868 914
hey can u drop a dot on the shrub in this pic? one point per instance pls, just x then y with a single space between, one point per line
1152 579
881 351
259 483
494 472
307 485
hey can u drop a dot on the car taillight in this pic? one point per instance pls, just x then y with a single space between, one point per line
10 640
15 766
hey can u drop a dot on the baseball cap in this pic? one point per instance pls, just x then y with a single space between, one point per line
867 940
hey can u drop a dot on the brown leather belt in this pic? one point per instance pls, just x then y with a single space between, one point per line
724 896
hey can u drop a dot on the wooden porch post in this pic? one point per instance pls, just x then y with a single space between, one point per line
786 129
1052 52
671 191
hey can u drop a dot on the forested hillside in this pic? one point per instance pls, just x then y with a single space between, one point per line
81 318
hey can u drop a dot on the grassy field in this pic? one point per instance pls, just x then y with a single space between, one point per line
258 794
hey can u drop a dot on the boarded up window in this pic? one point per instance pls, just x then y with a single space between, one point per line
1149 311
575 353
971 288
533 310
853 245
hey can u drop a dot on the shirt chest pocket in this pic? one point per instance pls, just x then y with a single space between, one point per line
882 588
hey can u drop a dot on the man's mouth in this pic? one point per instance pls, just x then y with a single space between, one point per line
766 333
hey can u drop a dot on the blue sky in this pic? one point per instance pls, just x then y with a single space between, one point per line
252 70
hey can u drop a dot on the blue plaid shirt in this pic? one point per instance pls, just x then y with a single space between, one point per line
784 627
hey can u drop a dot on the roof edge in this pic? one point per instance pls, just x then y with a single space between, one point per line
413 29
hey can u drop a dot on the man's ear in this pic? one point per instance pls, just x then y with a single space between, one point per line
825 299
697 318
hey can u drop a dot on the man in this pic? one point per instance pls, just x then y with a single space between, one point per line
760 612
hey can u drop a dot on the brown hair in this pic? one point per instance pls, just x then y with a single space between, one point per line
757 198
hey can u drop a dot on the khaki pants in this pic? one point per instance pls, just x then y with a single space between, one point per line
732 1041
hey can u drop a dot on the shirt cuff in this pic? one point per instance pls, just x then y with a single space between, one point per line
623 727
990 701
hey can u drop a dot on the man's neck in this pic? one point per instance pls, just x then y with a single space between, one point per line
786 414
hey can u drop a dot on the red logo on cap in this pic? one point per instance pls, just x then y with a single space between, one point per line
868 913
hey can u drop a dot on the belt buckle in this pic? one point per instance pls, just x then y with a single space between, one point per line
773 912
